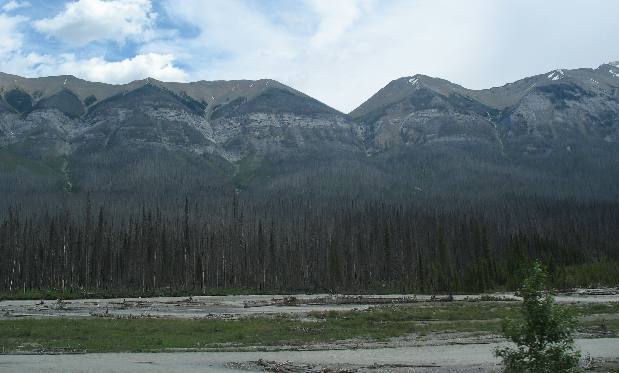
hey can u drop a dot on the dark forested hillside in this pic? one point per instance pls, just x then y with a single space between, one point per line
313 244
427 186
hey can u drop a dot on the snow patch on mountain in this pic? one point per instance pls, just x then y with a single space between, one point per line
556 75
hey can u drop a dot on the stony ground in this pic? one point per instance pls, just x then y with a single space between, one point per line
443 358
433 351
245 305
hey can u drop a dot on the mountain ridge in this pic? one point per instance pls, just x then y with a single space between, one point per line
59 82
259 134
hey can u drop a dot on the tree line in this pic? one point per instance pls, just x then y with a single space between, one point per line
296 243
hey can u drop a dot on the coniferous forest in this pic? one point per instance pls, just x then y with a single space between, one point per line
304 243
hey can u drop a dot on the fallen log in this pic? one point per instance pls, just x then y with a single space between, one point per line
336 300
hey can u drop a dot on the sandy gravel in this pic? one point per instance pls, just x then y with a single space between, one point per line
447 358
220 306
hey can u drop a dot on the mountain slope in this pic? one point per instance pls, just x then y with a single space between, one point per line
554 133
548 103
420 110
551 132
213 132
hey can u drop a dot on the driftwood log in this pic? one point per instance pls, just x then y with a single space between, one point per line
337 300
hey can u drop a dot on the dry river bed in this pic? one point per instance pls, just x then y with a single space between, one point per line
446 352
234 306
446 358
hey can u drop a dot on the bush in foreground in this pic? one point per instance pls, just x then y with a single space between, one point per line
543 338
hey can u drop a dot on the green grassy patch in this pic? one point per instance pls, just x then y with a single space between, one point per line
595 308
604 327
379 324
116 335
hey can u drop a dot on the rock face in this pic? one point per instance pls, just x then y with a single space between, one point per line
542 132
96 134
173 115
563 111
540 114
420 110
558 128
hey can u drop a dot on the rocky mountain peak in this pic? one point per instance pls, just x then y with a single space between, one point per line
407 88
243 128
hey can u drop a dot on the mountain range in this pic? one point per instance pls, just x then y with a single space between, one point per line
554 134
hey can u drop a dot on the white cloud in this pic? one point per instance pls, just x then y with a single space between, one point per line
14 5
350 49
340 52
355 48
335 17
85 21
158 66
10 38
15 59
230 32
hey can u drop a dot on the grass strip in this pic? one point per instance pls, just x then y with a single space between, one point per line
379 324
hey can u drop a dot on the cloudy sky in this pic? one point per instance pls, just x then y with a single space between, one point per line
338 51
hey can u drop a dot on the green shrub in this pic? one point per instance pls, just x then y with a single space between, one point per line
543 337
